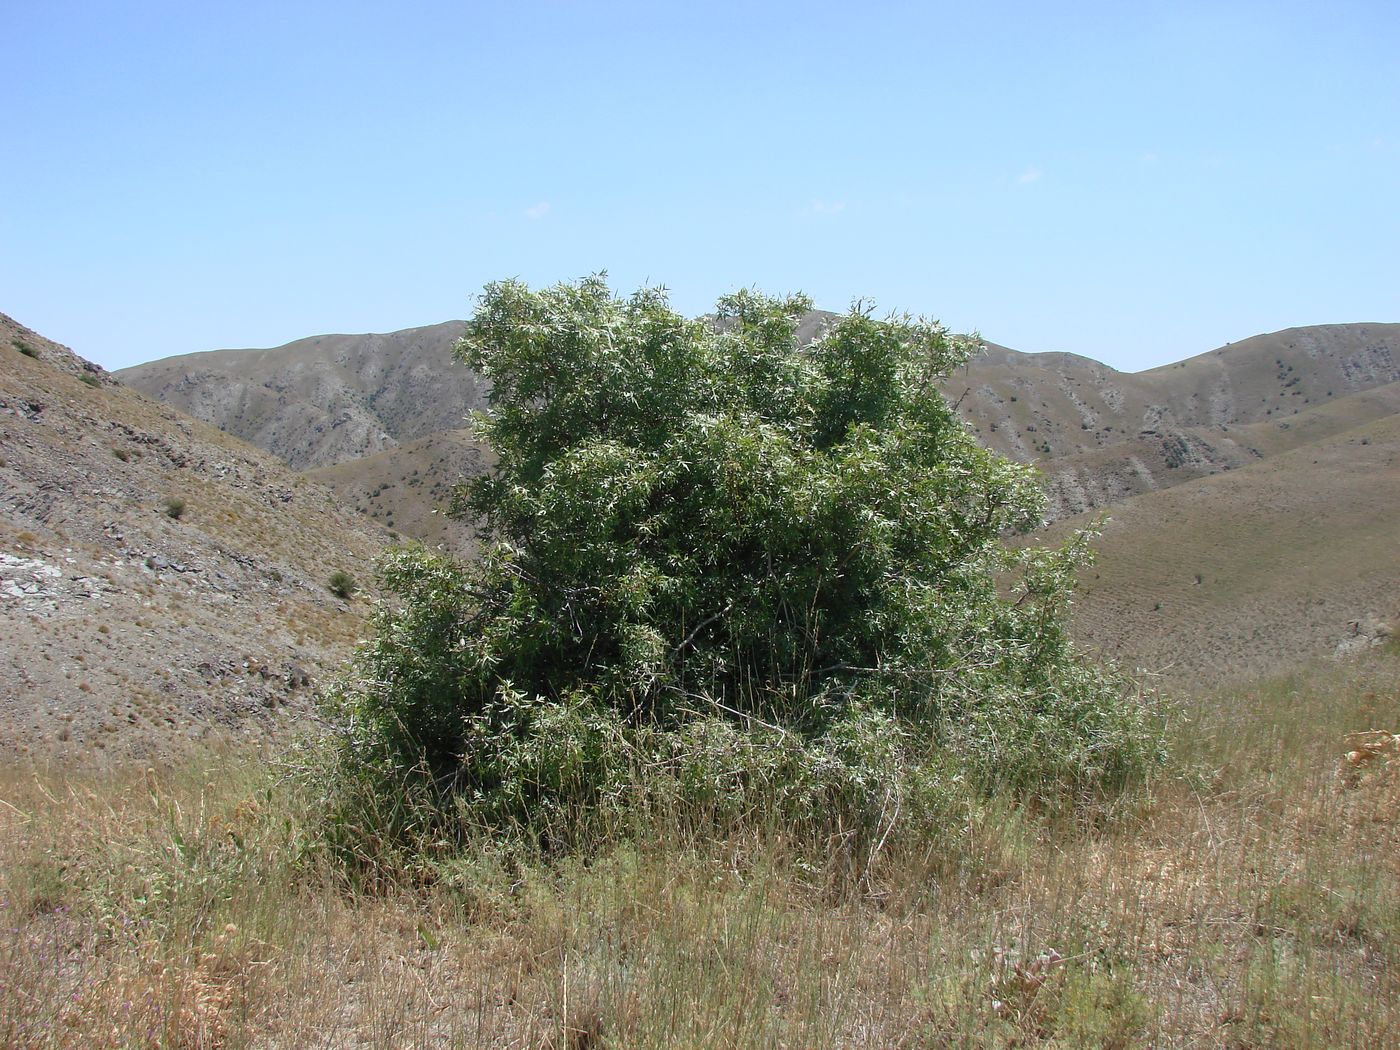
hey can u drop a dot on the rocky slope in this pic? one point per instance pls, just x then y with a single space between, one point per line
160 581
1098 435
326 399
1294 557
1252 489
163 582
407 487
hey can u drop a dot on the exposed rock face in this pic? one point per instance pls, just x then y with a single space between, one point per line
128 628
1365 633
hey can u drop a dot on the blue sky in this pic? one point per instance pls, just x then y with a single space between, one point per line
1134 182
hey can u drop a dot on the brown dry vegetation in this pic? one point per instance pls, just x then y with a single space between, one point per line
408 488
1251 897
1251 570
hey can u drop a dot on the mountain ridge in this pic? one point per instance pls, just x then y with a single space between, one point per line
1098 435
1251 500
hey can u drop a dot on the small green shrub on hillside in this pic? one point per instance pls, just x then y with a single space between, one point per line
728 575
174 508
342 584
24 348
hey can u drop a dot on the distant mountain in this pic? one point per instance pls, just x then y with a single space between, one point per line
1097 434
1100 435
326 399
160 581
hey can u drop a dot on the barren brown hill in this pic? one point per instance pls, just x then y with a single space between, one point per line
1252 571
1099 435
408 487
326 399
159 580
1249 467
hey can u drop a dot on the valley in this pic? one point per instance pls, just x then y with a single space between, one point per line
1265 467
167 613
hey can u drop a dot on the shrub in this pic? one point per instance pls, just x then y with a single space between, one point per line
342 584
174 507
24 348
730 574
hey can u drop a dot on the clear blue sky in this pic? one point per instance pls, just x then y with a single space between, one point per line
1134 182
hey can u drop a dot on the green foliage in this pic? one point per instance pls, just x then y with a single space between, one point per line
90 379
342 584
24 348
735 571
174 508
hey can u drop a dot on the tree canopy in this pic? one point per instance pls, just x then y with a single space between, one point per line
701 535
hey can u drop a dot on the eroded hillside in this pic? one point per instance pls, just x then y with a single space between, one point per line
159 580
1098 435
1252 510
1247 572
326 399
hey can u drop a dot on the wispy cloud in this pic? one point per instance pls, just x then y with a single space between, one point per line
1150 157
820 207
537 211
1031 174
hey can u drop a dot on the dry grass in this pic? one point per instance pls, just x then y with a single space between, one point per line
1254 569
408 487
1252 898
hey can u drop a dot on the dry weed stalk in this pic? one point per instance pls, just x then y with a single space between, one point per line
1019 989
1365 748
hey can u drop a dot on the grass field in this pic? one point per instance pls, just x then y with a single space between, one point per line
1249 897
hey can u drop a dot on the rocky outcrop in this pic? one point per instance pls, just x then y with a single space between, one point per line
160 581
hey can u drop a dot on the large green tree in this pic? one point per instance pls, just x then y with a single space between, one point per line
712 526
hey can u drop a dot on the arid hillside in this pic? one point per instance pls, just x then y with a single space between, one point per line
407 487
1251 489
1251 571
160 581
326 399
1098 435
